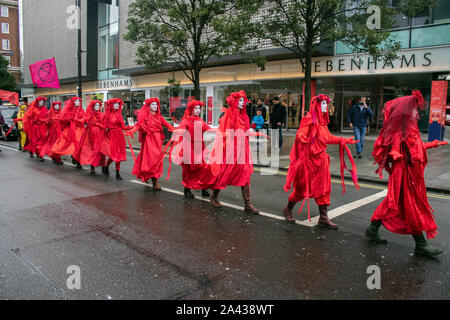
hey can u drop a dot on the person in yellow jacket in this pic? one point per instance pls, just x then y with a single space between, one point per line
22 136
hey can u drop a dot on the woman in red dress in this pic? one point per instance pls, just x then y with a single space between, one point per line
72 127
193 153
149 163
400 151
115 125
54 131
35 126
231 158
88 151
309 170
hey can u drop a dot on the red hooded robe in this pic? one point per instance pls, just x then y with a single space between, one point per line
72 126
88 151
234 167
196 171
309 169
149 163
115 138
400 151
54 130
35 126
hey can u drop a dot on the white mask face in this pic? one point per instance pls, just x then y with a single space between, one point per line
197 110
56 106
324 106
241 103
77 103
97 107
153 106
41 103
116 106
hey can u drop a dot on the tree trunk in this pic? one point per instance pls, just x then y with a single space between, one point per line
197 84
308 68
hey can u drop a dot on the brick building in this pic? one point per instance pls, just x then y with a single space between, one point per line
10 37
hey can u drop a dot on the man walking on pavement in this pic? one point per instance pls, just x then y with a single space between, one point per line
278 118
357 118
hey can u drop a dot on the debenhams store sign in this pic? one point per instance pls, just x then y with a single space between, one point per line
124 83
417 60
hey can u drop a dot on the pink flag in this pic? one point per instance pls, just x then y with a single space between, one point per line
44 74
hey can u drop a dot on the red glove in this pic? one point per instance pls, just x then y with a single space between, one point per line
302 137
351 141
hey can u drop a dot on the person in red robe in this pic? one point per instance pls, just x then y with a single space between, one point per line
231 157
35 126
89 148
399 150
193 154
309 169
149 163
53 133
115 138
72 127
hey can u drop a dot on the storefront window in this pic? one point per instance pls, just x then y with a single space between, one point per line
108 40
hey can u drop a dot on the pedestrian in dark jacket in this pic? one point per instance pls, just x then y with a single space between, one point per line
278 118
358 117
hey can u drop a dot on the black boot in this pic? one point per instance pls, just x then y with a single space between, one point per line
424 249
288 212
105 170
31 155
205 193
92 170
324 221
118 177
372 233
40 159
188 194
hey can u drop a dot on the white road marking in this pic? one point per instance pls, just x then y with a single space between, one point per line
331 214
345 208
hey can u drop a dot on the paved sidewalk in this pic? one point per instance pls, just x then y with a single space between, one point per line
437 173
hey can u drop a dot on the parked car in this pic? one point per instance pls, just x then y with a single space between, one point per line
8 112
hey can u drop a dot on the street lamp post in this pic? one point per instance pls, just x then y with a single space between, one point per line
80 91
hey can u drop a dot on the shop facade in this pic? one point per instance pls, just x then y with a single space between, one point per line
344 78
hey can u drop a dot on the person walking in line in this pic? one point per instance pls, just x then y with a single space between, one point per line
358 120
278 118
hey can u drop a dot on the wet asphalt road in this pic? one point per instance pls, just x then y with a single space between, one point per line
133 243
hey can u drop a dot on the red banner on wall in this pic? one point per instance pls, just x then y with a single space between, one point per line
437 110
210 110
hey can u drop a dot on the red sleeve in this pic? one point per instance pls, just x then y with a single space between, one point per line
166 124
332 139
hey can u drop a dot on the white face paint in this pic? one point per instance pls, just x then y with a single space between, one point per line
197 110
77 103
56 106
241 103
324 106
97 107
116 106
41 103
154 106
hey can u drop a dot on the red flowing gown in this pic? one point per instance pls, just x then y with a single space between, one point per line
149 163
115 138
54 132
71 131
406 210
88 151
196 171
237 166
36 128
310 165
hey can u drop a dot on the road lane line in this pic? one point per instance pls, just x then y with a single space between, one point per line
331 214
225 204
347 208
